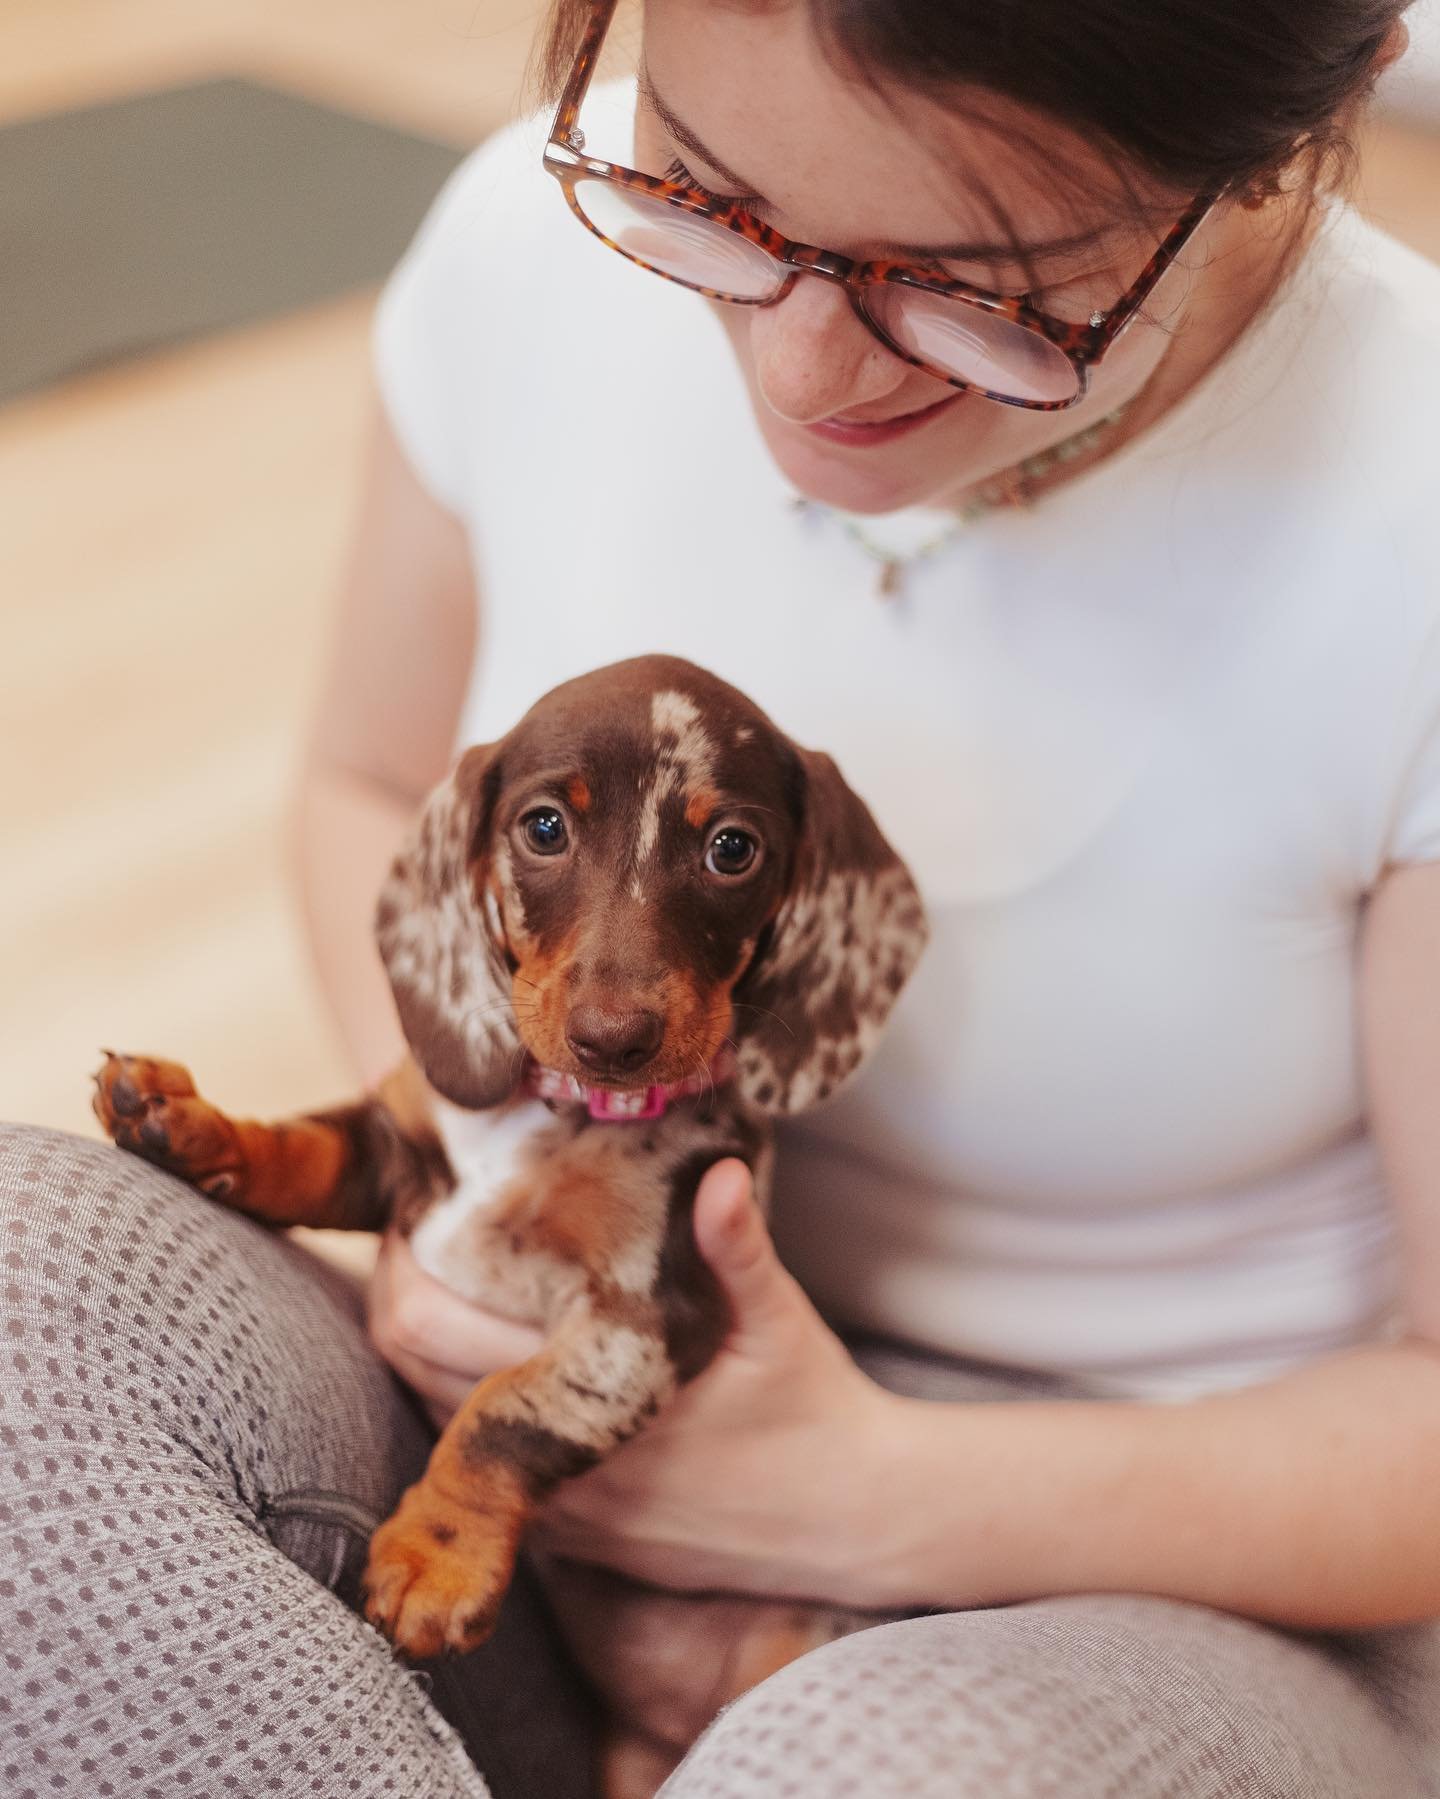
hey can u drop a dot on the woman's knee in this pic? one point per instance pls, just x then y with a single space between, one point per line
1086 1696
182 1394
138 1315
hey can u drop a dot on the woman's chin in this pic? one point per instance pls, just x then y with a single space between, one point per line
883 477
849 480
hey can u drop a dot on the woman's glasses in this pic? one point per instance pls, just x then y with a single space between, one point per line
1002 347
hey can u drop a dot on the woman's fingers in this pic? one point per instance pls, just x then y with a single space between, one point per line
437 1341
441 1390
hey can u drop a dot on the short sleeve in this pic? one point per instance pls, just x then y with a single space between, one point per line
1414 833
429 328
1417 828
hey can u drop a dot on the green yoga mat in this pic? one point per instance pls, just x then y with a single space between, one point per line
163 216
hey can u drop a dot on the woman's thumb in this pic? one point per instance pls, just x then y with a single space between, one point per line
730 1233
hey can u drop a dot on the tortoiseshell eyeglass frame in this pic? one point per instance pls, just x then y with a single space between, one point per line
1083 345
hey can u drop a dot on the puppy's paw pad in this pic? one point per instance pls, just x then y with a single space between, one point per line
151 1108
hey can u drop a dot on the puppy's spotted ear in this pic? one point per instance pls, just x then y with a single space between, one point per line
843 944
442 943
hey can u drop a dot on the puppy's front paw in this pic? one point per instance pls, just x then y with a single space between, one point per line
438 1572
152 1109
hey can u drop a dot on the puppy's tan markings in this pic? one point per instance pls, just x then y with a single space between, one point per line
541 999
699 1017
585 1209
439 1566
409 1098
353 1168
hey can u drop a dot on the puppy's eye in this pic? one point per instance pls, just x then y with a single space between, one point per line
544 831
731 852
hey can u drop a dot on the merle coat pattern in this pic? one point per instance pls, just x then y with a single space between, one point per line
644 886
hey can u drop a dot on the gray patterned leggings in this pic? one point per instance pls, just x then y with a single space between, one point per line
195 1441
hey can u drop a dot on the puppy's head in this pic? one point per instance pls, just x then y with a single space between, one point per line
642 871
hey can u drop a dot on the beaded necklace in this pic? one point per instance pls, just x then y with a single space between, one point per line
1014 487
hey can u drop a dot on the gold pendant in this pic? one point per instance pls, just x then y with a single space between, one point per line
891 574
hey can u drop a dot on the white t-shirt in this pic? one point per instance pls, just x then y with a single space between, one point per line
1147 748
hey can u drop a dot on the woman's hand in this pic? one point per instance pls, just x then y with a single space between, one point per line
437 1343
767 1473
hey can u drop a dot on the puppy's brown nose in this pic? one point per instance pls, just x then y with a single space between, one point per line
613 1042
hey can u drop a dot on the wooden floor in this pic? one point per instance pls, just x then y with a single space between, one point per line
169 536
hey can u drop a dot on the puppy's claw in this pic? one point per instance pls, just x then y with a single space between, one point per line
152 1109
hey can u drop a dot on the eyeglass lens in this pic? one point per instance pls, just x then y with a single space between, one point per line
984 349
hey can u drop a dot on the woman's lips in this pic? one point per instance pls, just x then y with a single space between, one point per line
845 431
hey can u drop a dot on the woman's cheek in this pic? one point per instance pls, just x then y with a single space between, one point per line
1133 357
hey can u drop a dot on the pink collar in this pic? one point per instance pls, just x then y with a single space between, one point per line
623 1108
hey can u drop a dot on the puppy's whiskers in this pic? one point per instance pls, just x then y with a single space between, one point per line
763 1012
487 1009
706 1076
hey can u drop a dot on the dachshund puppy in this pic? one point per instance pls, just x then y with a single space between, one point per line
622 939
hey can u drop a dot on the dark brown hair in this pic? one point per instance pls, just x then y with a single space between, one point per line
1202 95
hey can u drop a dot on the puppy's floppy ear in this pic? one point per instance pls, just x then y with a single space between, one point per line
442 942
850 930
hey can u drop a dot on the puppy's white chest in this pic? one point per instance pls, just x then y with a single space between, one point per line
461 1241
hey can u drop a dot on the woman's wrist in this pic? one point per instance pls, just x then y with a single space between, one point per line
990 1503
846 1548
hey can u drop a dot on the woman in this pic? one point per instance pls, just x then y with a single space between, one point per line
1119 606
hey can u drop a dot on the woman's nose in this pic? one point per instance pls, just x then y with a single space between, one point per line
814 357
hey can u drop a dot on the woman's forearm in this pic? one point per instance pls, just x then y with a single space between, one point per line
1312 1500
347 829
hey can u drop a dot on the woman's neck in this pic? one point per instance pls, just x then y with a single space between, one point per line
1254 252
1250 257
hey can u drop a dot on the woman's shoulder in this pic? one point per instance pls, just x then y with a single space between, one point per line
1377 261
499 259
1384 297
501 296
1321 422
1373 378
